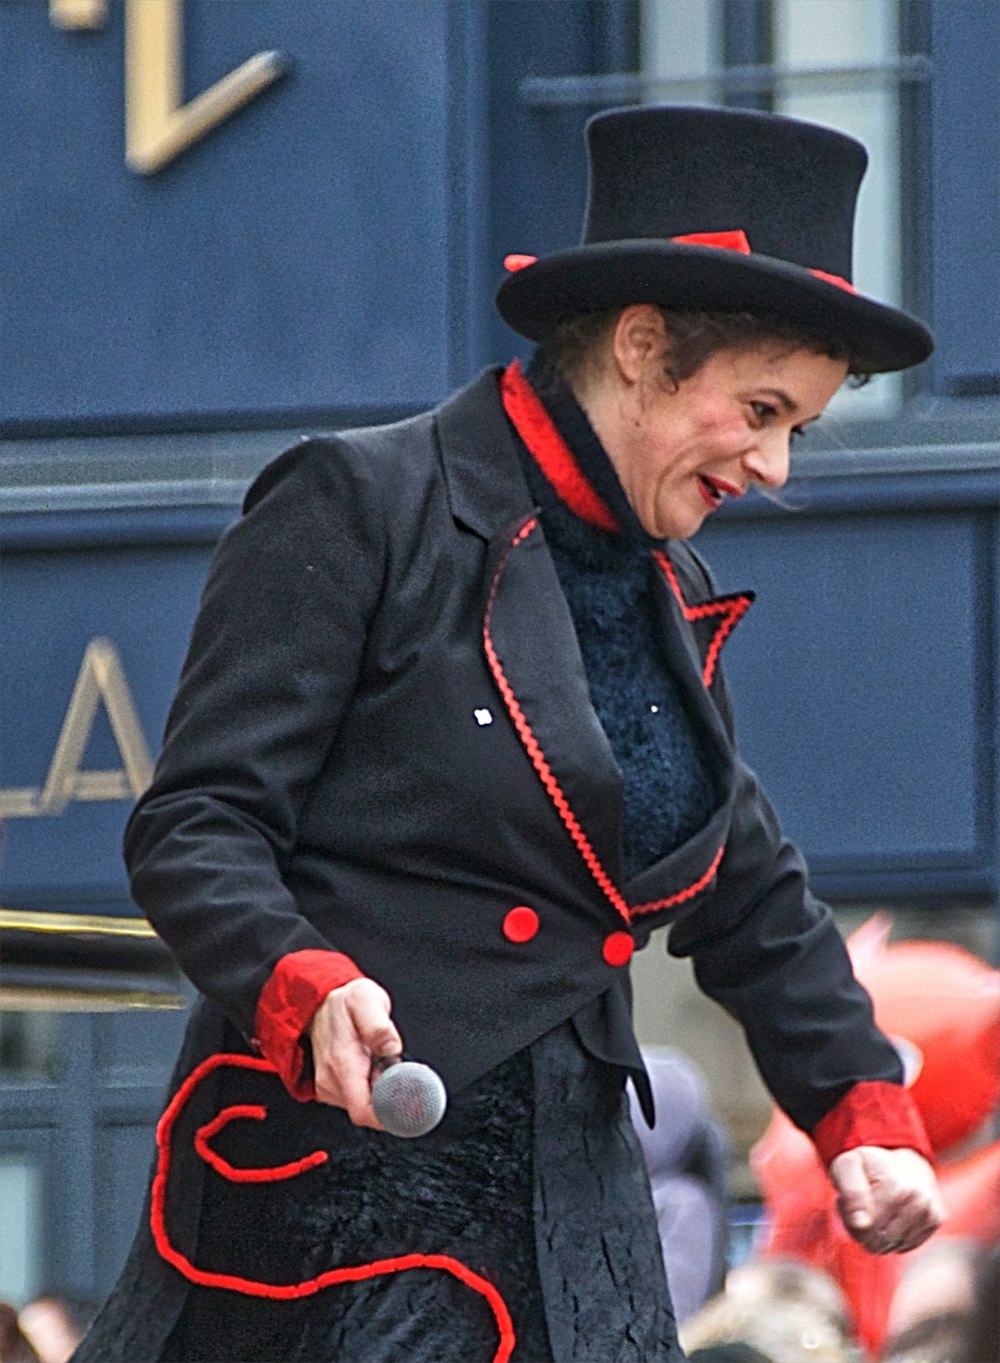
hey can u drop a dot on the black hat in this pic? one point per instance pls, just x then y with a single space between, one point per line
722 210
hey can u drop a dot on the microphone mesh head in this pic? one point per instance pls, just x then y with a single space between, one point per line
409 1099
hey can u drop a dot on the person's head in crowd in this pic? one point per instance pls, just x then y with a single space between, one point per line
55 1323
785 1311
685 1155
945 1309
14 1347
727 1353
982 1338
759 1282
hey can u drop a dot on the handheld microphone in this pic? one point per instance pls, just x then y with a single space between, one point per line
408 1098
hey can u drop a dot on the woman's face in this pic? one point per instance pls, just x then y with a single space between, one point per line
680 450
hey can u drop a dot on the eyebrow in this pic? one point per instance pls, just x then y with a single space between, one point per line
779 393
790 406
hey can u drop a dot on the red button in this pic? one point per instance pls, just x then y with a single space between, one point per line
521 924
618 948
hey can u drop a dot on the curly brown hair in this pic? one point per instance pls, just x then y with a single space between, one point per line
694 337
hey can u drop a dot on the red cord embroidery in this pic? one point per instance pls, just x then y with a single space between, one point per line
229 1171
730 609
285 1291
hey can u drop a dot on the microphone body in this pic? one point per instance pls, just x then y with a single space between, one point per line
408 1098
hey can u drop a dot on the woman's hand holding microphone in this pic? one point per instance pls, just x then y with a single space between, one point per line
358 1064
352 1025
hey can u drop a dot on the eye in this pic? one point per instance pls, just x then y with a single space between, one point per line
798 432
763 411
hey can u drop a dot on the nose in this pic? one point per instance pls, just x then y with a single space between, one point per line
767 462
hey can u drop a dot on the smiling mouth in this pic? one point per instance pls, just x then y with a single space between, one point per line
713 490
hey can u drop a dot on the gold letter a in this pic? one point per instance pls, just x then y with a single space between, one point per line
101 678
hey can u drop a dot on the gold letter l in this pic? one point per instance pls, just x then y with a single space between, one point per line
158 126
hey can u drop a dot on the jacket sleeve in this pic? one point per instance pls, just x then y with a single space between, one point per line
769 952
274 658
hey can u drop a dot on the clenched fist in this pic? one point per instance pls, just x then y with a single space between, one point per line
887 1199
351 1025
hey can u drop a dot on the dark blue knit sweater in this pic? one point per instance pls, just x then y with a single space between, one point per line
607 579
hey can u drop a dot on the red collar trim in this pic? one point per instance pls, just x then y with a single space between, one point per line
549 451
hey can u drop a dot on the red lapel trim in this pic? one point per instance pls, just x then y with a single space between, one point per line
553 456
251 1287
684 895
729 609
532 746
548 778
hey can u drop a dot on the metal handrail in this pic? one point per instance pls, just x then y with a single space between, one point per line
635 86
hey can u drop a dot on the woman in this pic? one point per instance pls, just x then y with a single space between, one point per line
451 739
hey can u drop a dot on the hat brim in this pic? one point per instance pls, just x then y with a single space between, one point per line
535 299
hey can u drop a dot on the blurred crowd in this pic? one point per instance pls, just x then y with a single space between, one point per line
946 1310
809 1293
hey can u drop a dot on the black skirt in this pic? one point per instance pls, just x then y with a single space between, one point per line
528 1211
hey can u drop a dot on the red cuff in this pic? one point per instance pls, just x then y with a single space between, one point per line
298 985
872 1113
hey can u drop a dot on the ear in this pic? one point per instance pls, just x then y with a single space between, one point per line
638 336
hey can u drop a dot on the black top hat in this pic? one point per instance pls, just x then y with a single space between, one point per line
722 210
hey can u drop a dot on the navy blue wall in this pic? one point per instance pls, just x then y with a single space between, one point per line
298 258
964 180
332 247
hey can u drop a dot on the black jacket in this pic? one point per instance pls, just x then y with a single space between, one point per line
383 742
